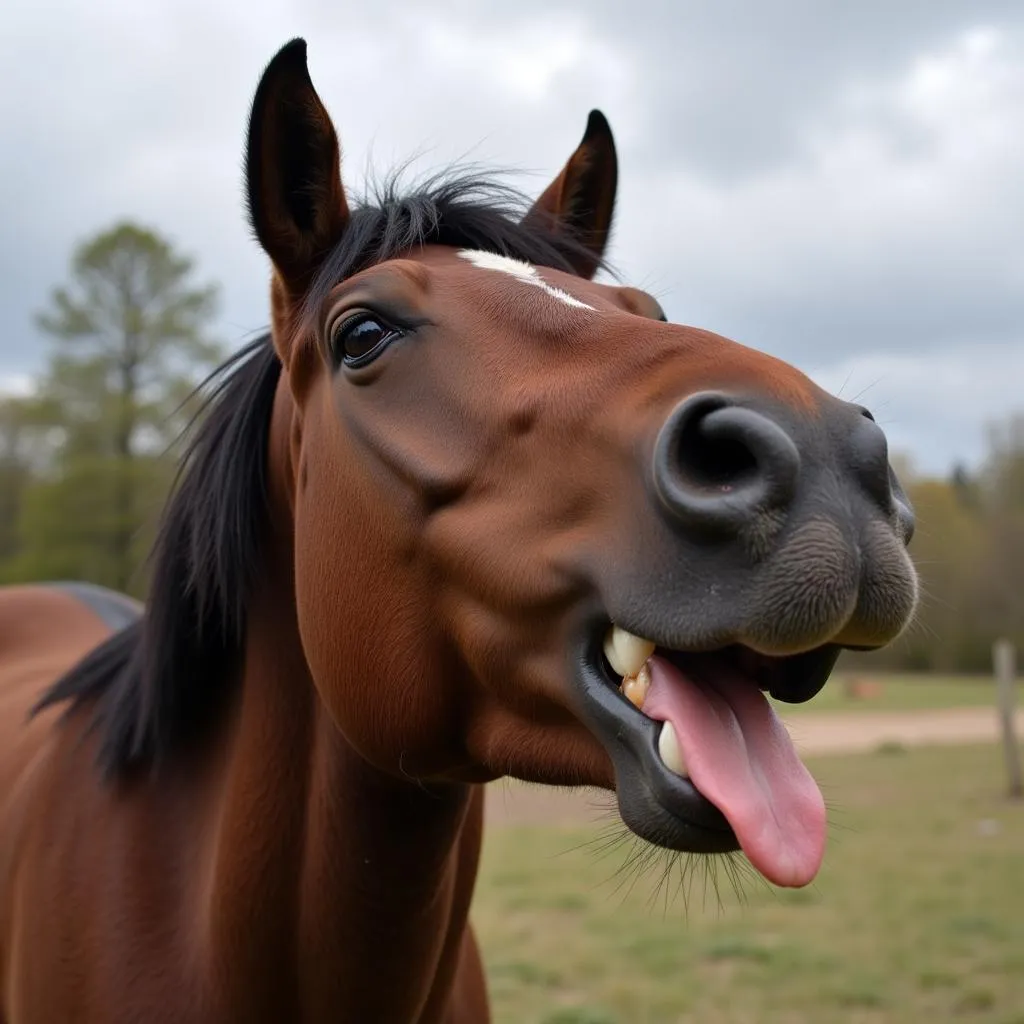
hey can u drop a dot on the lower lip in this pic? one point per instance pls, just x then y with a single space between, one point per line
639 768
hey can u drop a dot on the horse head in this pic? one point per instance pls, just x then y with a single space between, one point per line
538 530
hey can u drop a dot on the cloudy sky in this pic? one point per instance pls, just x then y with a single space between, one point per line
839 184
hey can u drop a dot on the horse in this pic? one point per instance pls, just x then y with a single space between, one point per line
465 512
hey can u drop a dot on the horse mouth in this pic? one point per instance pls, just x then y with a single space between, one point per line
702 762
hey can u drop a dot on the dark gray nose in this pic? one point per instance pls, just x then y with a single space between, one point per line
718 464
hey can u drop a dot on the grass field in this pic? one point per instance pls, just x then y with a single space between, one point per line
901 693
917 916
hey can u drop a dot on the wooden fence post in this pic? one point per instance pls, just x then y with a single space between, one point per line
1004 660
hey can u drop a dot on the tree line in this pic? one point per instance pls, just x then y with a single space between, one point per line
88 457
969 549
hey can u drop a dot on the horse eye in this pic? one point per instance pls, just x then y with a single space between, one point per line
359 339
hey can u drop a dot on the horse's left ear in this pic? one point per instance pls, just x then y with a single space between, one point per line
581 200
297 204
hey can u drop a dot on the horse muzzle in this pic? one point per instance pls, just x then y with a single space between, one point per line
775 542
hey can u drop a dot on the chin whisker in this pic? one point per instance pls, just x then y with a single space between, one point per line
673 875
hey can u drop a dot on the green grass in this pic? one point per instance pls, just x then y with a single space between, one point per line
901 693
917 916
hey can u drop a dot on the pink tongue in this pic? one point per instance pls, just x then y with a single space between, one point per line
739 755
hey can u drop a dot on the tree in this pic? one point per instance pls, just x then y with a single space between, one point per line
1004 467
15 472
131 333
949 549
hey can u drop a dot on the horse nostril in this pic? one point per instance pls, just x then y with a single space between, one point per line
718 464
869 455
905 516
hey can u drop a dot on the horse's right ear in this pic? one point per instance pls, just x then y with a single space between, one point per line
297 204
580 202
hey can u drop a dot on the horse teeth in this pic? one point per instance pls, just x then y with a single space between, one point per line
626 653
635 688
668 748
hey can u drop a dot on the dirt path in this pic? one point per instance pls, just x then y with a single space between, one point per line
851 732
814 733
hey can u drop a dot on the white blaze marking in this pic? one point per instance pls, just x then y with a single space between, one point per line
524 272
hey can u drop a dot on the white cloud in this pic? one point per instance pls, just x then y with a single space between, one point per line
527 62
16 384
902 207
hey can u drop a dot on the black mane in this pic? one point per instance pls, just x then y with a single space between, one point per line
157 685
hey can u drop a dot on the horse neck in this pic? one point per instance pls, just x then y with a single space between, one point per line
355 882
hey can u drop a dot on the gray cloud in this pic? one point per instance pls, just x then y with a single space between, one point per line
839 186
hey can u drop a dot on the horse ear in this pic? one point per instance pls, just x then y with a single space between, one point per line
581 200
297 204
